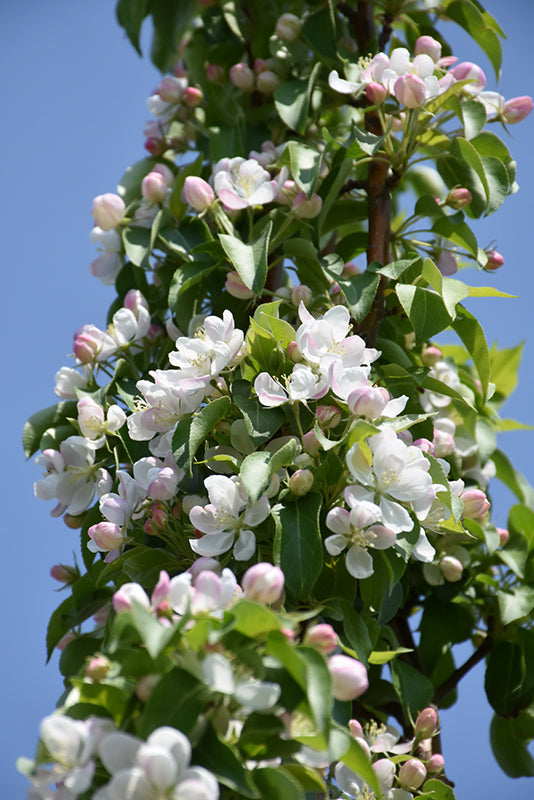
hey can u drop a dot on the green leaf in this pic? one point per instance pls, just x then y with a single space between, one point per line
425 310
305 163
130 16
521 520
220 759
253 619
262 423
250 260
129 186
255 473
136 243
490 170
298 546
480 26
505 367
85 601
473 117
510 749
41 421
470 332
517 604
435 789
155 636
450 289
343 747
504 679
276 784
292 100
331 186
190 434
359 291
395 268
415 690
176 700
170 20
385 656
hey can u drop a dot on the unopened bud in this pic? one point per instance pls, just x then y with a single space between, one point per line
198 193
63 573
447 264
516 109
504 535
193 97
305 207
154 187
412 774
106 536
426 723
108 211
328 417
431 355
214 73
494 262
323 637
303 293
469 71
459 198
288 635
349 677
242 77
234 285
301 482
263 582
97 669
476 504
428 46
267 82
410 90
376 93
435 764
171 89
288 27
451 568
426 446
294 353
310 444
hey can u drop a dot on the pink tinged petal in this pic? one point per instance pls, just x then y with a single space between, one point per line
410 91
257 695
207 592
205 519
128 594
270 392
117 751
383 537
161 589
335 544
231 200
394 516
245 546
218 674
385 773
364 514
359 562
338 520
258 512
212 545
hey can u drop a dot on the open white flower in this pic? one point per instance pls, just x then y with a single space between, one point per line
240 182
227 516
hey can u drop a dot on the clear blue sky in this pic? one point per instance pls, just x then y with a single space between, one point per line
74 108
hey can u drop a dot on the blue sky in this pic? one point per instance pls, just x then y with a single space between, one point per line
74 108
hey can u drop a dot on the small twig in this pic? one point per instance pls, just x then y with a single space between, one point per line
453 680
386 31
349 186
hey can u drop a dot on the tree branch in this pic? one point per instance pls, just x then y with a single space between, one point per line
453 680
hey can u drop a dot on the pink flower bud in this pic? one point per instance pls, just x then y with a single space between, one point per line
435 764
323 637
263 582
410 90
444 444
494 262
368 401
469 71
476 504
108 211
106 536
193 97
310 444
288 27
301 482
305 207
242 77
267 81
171 89
431 355
451 568
349 677
459 198
328 417
356 729
198 193
425 446
516 109
234 285
504 535
288 634
214 73
447 264
303 293
426 723
427 45
412 774
85 348
97 669
63 573
376 92
154 187
146 685
65 640
293 352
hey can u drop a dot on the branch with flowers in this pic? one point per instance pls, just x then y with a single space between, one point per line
278 474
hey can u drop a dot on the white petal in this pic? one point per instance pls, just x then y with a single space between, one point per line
258 696
217 673
117 751
359 562
245 547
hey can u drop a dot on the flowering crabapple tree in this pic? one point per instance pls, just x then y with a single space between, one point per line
279 476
